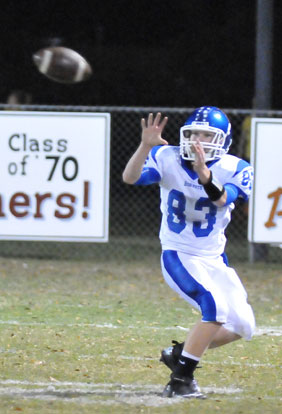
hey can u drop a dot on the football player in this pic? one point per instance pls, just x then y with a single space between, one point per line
199 183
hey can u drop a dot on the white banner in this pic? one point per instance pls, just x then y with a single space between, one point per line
265 221
54 176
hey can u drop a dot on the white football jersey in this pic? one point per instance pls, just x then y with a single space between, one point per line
191 223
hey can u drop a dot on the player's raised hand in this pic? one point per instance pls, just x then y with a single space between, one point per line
199 165
200 156
152 129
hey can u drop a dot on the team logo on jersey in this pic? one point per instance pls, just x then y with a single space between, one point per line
197 186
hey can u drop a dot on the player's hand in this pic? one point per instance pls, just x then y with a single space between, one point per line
152 129
199 165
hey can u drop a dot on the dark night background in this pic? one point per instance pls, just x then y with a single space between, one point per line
177 53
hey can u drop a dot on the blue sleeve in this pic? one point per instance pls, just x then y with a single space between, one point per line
242 179
148 176
232 193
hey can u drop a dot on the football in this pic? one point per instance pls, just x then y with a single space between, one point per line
62 64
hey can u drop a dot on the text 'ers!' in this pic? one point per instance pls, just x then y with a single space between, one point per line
66 204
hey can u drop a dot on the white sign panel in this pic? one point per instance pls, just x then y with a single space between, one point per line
54 176
265 223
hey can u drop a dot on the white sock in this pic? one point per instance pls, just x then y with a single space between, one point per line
187 355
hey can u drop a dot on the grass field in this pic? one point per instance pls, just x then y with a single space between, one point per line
85 337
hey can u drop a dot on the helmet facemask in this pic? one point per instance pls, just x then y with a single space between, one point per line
213 149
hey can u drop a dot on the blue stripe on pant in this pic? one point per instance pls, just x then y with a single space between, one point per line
189 285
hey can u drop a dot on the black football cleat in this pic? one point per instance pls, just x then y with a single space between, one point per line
170 356
182 387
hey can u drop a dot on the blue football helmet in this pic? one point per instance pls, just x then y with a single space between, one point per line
209 119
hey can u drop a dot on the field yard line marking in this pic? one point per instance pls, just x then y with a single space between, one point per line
83 396
52 388
240 364
248 364
93 325
57 383
260 330
267 330
116 393
123 387
79 325
85 387
149 401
